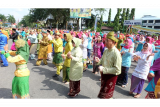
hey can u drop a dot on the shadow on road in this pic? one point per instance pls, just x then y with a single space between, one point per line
91 75
54 83
5 93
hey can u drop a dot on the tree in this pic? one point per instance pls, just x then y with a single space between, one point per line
101 21
132 14
116 20
26 21
11 18
127 14
3 18
58 15
90 22
109 16
123 18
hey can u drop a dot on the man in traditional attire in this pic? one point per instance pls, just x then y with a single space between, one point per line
3 43
58 48
42 55
111 67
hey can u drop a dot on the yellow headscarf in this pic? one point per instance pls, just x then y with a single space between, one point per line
69 37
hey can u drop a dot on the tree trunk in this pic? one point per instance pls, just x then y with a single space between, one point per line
78 24
66 25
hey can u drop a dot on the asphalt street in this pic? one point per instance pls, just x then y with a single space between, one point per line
43 86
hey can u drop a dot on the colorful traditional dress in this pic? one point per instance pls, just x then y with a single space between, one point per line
20 83
76 69
66 66
111 63
43 51
58 49
39 37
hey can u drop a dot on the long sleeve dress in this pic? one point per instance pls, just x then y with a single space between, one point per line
20 83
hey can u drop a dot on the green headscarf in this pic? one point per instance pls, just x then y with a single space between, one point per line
77 42
22 49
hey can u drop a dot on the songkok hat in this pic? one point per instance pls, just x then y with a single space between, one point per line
110 35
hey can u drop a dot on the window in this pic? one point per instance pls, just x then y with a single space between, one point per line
156 27
144 21
150 21
157 21
149 26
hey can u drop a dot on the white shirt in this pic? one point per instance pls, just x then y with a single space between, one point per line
143 66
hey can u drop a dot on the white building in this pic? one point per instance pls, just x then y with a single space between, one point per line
151 22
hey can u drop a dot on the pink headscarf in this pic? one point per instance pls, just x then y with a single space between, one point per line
129 43
150 40
148 49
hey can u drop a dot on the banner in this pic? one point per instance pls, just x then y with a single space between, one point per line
80 13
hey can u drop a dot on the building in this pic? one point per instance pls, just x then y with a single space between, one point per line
151 22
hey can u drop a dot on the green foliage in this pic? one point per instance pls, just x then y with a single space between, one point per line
122 20
132 13
127 14
11 18
116 20
3 17
109 16
90 22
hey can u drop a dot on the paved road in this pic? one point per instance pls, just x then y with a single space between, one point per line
43 86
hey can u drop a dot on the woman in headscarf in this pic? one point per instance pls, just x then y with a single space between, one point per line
84 49
66 65
97 51
140 43
154 85
76 68
20 83
141 71
157 48
126 63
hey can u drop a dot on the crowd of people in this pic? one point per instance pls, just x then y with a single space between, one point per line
72 52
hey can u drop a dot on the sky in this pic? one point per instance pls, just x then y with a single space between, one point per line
18 13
